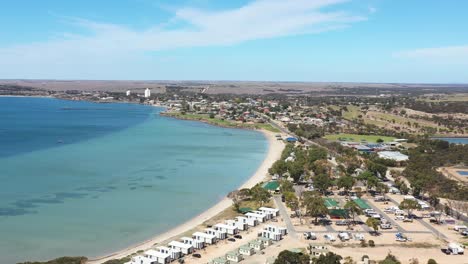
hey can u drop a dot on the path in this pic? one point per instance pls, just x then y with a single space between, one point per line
284 214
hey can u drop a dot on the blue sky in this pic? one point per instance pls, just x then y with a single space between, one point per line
273 40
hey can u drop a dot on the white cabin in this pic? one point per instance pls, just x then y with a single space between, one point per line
198 244
173 253
231 230
141 260
268 216
259 217
249 221
220 235
186 249
207 238
271 211
239 224
160 257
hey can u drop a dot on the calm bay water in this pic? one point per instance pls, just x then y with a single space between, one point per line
79 178
455 140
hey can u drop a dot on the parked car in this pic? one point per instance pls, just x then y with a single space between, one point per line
310 236
385 226
329 237
196 255
399 217
343 236
407 219
464 233
232 239
238 236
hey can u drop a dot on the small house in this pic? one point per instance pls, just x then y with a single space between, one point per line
271 211
186 249
207 238
316 250
258 217
249 221
231 230
220 260
141 260
234 256
239 225
246 250
266 241
256 245
220 235
160 257
198 244
173 253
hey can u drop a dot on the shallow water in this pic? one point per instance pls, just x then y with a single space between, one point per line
79 178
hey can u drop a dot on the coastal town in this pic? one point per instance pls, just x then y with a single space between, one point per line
349 181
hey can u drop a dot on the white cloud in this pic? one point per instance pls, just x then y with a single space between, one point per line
450 54
111 43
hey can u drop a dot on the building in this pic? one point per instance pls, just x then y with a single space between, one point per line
147 93
393 155
273 232
128 93
141 260
219 234
231 230
195 243
234 256
160 257
271 211
240 225
246 250
220 260
256 245
185 249
248 221
266 241
258 217
173 253
207 238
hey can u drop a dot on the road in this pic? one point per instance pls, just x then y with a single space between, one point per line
284 214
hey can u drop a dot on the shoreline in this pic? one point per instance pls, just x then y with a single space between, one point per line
275 148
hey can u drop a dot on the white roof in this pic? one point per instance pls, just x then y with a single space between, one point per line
203 235
268 209
186 238
157 254
179 244
392 155
225 226
255 215
142 260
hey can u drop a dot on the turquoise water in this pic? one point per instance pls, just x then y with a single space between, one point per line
463 173
89 179
455 140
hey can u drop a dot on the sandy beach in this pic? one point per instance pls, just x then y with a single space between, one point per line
274 153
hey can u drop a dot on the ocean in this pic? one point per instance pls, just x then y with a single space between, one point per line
86 179
455 140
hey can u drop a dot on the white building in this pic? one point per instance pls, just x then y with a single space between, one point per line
259 217
195 243
238 224
207 238
128 93
141 260
272 212
248 221
173 253
392 155
231 230
186 249
160 257
219 234
273 232
147 93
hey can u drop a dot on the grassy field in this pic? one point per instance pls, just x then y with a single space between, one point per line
359 138
352 113
447 98
224 123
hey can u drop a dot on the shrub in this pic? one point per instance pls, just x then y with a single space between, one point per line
363 243
371 243
431 261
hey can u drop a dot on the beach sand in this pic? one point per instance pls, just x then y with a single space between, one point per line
274 153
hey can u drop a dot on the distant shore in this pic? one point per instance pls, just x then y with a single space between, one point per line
275 147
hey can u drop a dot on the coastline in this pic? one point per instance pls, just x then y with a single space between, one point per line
275 148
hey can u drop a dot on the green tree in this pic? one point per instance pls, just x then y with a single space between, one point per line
295 169
390 259
409 206
291 200
286 186
279 167
373 223
353 209
288 257
259 194
322 182
346 182
329 258
314 204
431 261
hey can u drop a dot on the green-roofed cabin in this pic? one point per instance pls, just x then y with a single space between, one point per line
220 260
234 256
246 250
338 214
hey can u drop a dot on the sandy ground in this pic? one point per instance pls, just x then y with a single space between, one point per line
274 153
452 173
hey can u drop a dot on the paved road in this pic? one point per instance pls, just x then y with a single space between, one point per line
388 217
424 223
284 214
